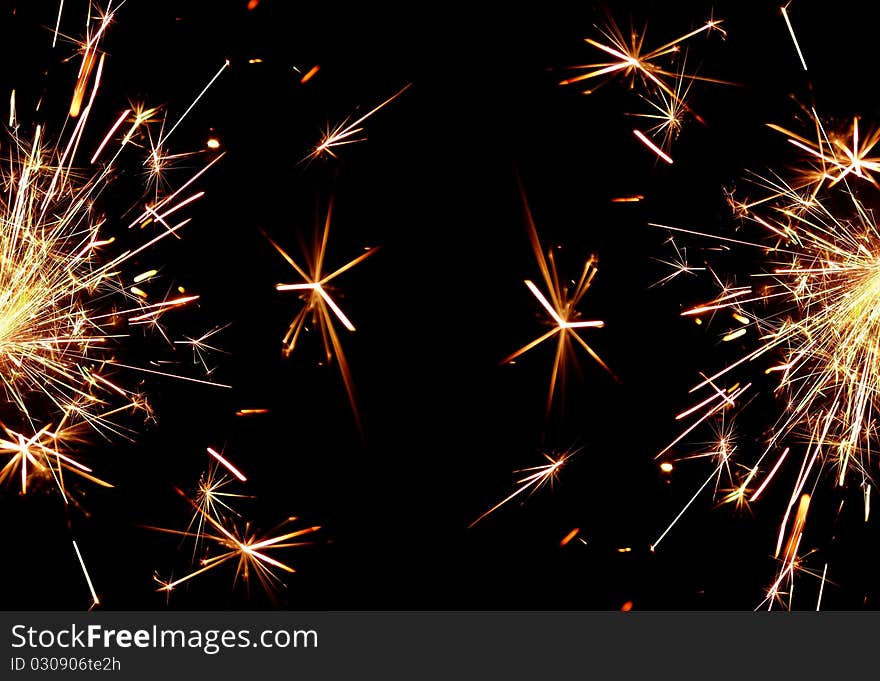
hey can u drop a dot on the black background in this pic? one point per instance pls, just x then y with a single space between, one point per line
440 304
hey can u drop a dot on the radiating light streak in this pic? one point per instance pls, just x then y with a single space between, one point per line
347 133
247 549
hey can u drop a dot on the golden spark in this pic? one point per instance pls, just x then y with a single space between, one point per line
810 321
561 308
319 306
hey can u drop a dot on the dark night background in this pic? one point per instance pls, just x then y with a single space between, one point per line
438 307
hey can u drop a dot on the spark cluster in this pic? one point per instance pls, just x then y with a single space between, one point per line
565 318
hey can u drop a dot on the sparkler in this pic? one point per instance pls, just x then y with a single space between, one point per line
561 307
319 306
64 300
811 320
666 91
61 300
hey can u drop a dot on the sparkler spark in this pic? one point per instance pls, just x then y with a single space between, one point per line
319 306
538 477
242 546
653 147
82 564
666 91
561 307
347 131
632 61
58 322
669 112
839 154
201 347
226 464
65 307
679 265
42 456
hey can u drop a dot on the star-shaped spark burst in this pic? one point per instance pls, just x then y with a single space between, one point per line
201 348
561 308
668 114
319 306
632 61
651 74
246 548
536 478
39 456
